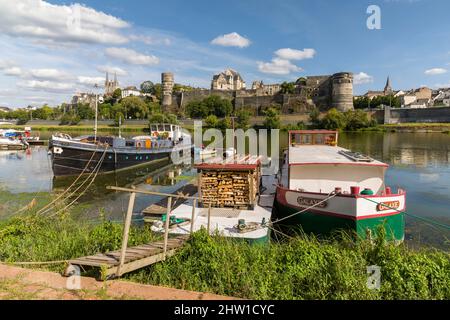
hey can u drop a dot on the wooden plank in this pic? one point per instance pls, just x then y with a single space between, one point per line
87 263
126 231
166 227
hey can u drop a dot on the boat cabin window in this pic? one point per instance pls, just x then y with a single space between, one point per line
313 138
153 127
167 127
129 143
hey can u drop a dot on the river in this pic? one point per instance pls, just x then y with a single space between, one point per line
419 164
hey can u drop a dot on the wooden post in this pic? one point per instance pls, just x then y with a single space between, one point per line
166 227
194 204
209 218
126 230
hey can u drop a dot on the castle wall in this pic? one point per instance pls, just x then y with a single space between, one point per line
404 115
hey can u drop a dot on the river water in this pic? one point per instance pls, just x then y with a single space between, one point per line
419 164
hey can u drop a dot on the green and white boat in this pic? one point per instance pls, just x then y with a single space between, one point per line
324 188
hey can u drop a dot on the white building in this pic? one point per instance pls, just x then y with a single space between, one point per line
442 99
131 91
228 80
408 99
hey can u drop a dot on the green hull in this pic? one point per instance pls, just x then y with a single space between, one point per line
325 225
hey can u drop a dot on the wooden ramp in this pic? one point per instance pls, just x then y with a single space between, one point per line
135 257
159 208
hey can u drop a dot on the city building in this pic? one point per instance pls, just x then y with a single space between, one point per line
265 89
85 98
5 109
442 98
386 91
228 80
131 91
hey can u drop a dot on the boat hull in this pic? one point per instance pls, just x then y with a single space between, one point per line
69 160
339 213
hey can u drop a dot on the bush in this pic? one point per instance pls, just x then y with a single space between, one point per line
272 120
69 119
211 121
213 104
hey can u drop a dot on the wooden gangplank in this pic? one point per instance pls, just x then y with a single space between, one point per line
159 208
135 257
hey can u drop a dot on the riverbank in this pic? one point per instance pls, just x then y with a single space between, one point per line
417 127
300 268
66 128
20 283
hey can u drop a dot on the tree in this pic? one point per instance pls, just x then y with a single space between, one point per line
287 87
333 120
211 121
44 113
225 123
314 118
117 94
119 119
105 110
157 90
84 111
218 106
163 118
243 119
147 87
197 109
134 107
272 120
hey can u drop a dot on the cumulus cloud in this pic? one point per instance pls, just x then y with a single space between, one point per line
91 81
435 71
278 66
294 54
131 57
233 39
49 74
13 71
37 19
49 86
112 70
362 78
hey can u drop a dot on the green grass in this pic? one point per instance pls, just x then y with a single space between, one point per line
302 268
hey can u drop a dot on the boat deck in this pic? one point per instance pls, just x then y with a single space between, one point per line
321 154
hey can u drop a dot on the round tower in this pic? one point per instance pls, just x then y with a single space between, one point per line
342 91
167 83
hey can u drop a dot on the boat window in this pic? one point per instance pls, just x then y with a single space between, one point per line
167 127
153 127
160 127
129 143
306 139
319 139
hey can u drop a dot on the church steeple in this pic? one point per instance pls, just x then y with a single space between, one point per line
388 88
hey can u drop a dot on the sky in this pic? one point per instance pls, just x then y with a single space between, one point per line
52 49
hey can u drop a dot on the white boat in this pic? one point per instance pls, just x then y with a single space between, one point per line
245 220
325 188
12 144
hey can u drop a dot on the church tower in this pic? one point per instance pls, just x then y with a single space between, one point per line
388 89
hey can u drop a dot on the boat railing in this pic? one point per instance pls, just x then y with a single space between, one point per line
127 222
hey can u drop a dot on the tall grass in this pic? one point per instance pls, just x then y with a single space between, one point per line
299 268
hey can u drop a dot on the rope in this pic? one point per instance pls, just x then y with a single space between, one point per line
330 196
43 209
430 221
96 170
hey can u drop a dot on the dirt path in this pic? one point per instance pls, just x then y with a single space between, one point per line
19 283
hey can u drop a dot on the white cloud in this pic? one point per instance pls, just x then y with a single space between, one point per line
39 19
49 74
278 66
49 86
293 54
13 71
91 81
150 40
362 78
131 57
112 70
435 71
231 40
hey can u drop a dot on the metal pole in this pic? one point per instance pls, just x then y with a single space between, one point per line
209 218
126 230
96 111
166 227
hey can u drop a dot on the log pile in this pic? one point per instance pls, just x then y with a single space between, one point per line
236 189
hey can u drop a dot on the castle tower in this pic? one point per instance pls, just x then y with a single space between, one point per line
167 82
342 91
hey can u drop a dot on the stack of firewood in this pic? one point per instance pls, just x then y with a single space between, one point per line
228 188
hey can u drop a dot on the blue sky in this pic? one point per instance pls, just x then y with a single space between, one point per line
52 49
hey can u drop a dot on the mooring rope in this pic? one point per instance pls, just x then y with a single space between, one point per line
331 195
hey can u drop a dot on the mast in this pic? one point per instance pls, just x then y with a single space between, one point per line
96 113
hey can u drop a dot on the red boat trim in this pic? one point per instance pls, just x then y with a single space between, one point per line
281 198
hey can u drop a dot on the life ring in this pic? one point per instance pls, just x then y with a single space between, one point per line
139 144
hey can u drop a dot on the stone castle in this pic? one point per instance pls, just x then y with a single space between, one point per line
323 92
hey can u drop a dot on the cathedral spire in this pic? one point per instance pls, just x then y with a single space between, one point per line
388 88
